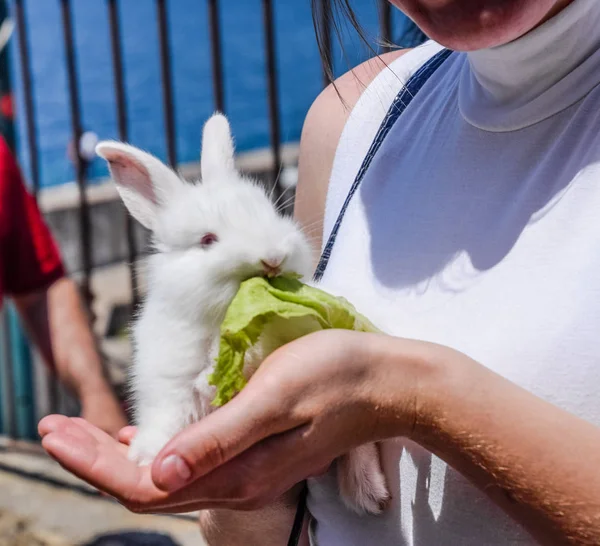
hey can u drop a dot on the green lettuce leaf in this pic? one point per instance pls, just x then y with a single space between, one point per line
274 311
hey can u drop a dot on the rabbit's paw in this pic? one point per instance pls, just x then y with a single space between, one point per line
361 481
205 392
146 446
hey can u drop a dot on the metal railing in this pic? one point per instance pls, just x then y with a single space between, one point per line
215 38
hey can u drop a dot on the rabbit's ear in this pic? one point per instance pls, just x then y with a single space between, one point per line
143 181
217 153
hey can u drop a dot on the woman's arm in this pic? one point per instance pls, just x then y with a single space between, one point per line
537 462
326 393
56 321
540 475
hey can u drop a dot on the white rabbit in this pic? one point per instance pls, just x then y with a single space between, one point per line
209 236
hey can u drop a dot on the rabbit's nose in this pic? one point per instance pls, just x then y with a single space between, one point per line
272 265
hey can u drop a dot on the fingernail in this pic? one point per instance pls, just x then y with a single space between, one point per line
174 473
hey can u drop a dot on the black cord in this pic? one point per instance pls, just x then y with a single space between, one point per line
296 533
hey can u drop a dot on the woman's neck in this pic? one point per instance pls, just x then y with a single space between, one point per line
541 73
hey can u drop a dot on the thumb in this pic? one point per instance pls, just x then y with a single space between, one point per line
218 438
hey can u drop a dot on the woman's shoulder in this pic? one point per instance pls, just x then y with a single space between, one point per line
321 133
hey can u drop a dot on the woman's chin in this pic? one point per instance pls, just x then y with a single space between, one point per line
469 25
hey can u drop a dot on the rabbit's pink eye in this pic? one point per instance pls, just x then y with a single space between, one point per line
208 240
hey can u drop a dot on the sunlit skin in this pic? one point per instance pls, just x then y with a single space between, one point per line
466 25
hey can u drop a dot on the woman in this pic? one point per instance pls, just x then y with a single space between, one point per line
471 227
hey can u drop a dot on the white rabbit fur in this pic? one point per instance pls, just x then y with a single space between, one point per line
191 281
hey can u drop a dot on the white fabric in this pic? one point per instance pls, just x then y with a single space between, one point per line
478 228
518 84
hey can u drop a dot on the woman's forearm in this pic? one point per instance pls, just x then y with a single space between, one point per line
538 462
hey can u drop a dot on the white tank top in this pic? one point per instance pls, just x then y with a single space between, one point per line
476 226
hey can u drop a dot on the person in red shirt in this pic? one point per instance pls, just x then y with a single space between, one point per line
33 276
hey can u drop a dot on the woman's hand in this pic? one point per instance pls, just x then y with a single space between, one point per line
322 395
308 403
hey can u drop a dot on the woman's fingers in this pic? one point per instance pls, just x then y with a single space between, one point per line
251 479
257 476
103 438
218 438
126 435
100 460
51 423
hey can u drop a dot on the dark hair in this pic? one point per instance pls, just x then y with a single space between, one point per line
329 17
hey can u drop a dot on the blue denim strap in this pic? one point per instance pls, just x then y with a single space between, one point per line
402 100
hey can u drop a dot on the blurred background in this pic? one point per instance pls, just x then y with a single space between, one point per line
148 72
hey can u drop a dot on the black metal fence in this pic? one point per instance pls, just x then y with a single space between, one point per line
215 39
